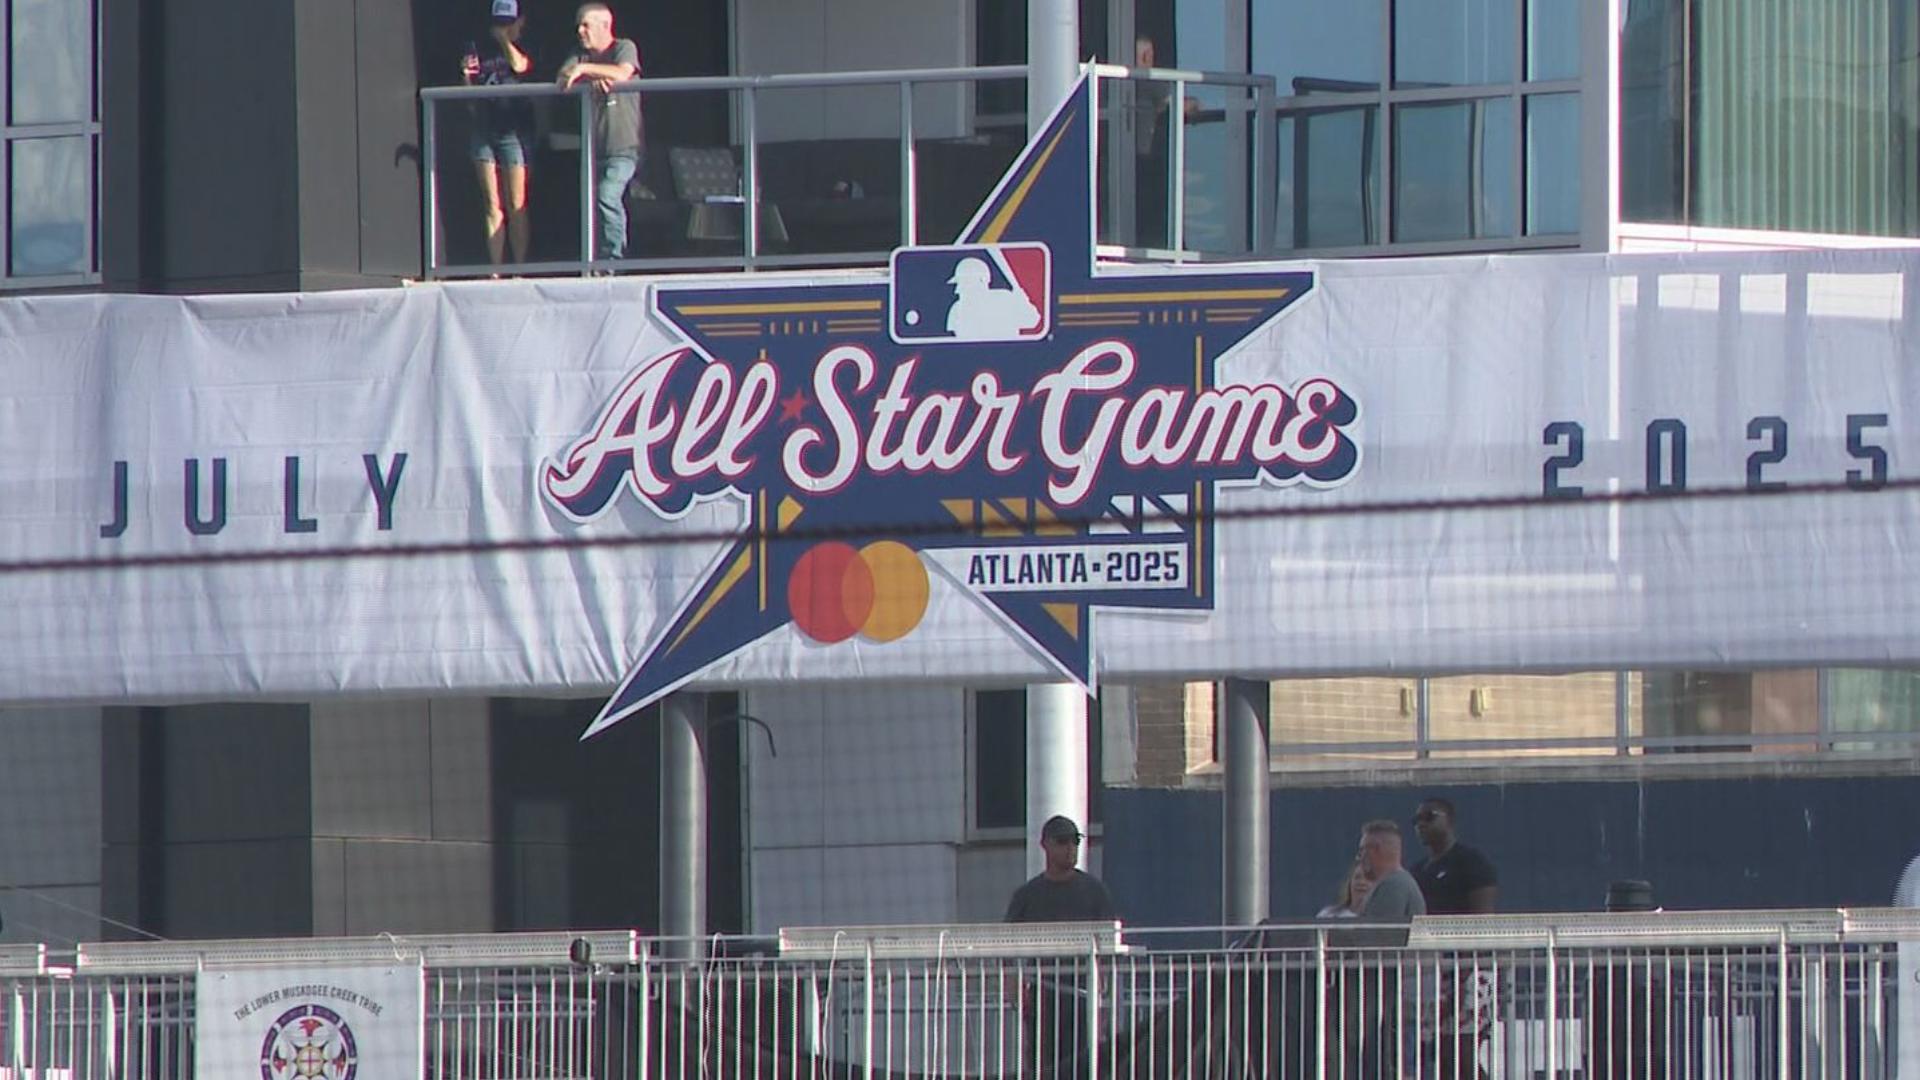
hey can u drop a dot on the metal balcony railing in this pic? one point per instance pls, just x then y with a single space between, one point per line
838 169
1700 995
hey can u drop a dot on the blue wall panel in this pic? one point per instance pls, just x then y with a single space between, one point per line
1772 842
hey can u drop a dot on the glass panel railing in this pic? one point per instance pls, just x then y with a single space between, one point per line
960 155
831 169
1184 165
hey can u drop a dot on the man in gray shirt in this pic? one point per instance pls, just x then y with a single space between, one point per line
604 60
1396 895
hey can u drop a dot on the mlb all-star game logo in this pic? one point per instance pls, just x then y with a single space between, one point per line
309 1042
1048 439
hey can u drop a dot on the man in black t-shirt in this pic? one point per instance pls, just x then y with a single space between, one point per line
1062 892
1053 1009
1456 880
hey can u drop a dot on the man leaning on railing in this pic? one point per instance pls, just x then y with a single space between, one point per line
618 138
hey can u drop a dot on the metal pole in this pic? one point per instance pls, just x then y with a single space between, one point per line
750 226
1053 40
683 823
1243 849
1056 762
429 162
909 174
586 181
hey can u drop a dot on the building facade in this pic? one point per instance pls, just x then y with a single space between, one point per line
223 147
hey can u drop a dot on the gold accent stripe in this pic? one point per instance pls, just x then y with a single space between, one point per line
794 308
734 325
1083 299
760 519
735 333
1067 615
1199 365
1199 541
1012 205
734 573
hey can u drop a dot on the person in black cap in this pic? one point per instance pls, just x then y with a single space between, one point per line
503 130
1062 892
1053 1005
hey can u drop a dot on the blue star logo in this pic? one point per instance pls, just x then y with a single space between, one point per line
994 413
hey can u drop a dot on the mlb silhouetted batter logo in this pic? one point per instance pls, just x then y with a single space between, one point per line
995 292
994 420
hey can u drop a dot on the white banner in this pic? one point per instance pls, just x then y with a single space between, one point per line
135 427
310 1023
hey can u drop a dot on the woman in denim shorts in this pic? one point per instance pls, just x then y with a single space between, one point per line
502 144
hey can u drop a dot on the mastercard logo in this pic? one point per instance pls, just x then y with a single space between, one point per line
878 591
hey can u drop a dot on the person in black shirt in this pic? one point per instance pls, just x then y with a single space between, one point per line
1062 892
1456 879
503 130
1053 1006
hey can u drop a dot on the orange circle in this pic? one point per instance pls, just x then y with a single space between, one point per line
900 589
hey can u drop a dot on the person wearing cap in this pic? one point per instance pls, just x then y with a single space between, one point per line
603 60
1052 1009
1062 892
502 143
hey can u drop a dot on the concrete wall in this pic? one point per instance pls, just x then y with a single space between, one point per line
251 147
778 36
347 817
1778 841
50 785
859 817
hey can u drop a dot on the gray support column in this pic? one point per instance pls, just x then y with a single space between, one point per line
1600 26
1244 853
683 820
1053 37
1056 762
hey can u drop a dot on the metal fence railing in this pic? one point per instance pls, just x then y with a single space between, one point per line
1682 995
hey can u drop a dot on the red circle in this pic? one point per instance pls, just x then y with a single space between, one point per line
830 593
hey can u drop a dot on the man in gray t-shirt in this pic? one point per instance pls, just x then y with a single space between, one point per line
618 140
1396 895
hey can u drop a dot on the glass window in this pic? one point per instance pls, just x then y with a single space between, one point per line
1452 42
1771 114
1553 164
1553 39
1873 702
50 193
1653 112
1452 167
1720 711
1329 177
51 60
1000 760
1311 46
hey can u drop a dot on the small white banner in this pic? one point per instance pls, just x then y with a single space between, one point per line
329 1023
